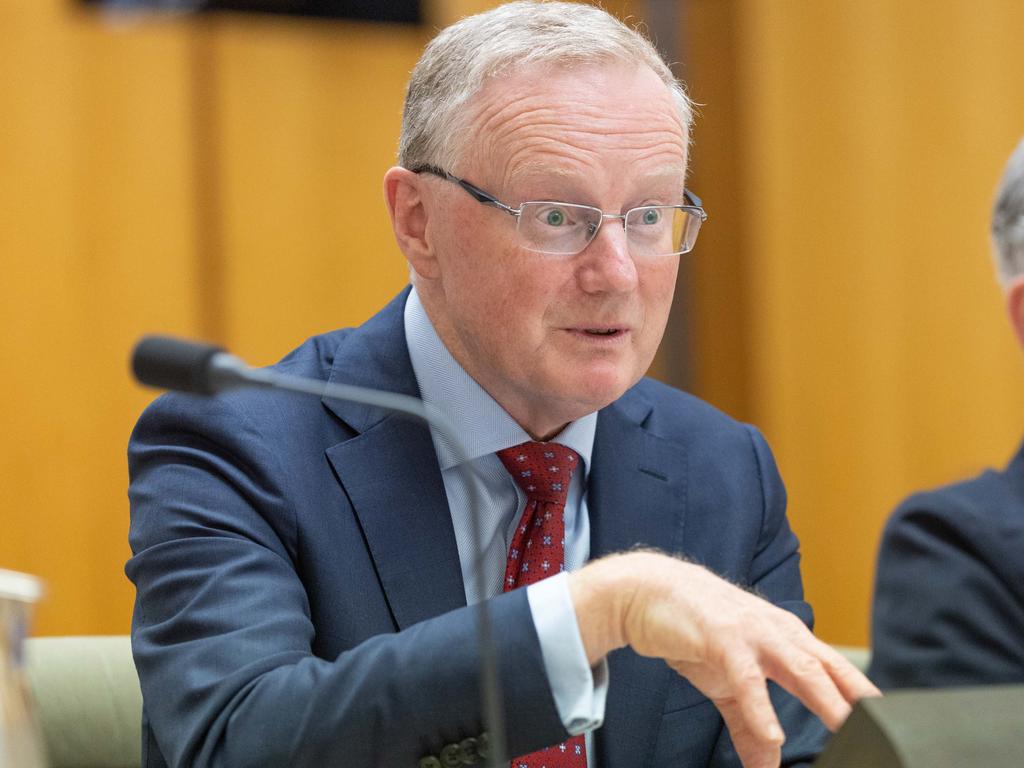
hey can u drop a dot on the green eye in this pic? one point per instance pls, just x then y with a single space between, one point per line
554 218
651 216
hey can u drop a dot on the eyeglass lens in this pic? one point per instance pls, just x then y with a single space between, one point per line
563 228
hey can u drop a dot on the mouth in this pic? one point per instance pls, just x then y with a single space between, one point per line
601 332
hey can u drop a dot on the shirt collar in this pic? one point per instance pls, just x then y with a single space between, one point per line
483 425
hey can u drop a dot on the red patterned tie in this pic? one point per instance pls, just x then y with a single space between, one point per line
543 472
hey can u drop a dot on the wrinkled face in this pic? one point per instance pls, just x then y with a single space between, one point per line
552 338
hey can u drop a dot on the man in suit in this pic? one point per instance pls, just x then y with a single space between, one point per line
949 594
303 568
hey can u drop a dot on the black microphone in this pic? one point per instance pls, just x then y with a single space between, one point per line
166 362
186 366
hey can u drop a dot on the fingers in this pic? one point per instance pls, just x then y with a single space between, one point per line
738 689
851 681
751 695
805 676
819 676
753 752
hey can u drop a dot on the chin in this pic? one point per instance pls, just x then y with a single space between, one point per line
594 390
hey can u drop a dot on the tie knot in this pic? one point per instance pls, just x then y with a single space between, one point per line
542 470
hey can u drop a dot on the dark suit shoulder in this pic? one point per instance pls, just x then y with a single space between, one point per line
949 590
989 493
982 517
315 357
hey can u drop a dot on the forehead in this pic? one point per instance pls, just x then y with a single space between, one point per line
612 122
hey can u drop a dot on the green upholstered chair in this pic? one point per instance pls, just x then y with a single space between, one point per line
859 657
88 701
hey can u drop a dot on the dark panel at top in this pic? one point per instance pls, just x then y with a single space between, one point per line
405 11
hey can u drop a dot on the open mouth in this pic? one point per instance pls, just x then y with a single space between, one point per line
602 332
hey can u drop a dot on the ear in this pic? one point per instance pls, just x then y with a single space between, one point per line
1014 293
404 196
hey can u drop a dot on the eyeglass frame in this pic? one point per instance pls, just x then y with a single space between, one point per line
485 198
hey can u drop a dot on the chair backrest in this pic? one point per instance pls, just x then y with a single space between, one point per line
859 657
88 700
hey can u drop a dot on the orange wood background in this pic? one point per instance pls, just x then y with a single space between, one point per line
843 292
222 178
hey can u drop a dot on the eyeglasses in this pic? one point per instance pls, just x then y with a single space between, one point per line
565 229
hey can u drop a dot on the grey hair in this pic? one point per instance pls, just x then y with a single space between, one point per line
458 62
1008 219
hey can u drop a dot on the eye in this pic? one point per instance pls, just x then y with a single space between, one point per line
554 218
651 216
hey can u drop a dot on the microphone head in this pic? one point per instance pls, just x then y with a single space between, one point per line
165 362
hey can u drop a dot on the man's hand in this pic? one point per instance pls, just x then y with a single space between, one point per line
726 641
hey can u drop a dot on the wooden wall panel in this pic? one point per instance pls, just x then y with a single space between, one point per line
309 119
871 137
96 244
712 297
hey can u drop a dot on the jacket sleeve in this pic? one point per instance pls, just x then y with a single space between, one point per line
222 630
947 606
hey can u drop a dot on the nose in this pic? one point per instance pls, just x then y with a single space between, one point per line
606 265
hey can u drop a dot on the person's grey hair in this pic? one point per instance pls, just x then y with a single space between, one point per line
1008 219
458 62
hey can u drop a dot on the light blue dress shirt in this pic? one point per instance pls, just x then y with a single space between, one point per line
486 428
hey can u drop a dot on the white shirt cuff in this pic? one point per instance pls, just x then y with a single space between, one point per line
579 690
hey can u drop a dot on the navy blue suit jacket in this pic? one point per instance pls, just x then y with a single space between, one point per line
949 595
299 594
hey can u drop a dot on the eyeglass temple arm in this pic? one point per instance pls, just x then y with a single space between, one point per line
478 194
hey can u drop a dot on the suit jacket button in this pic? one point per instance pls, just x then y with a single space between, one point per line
451 756
430 762
469 754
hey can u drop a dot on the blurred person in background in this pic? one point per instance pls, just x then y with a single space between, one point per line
949 592
303 568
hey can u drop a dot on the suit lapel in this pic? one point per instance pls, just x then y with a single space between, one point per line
404 515
636 497
389 473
